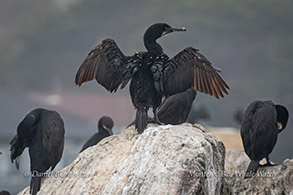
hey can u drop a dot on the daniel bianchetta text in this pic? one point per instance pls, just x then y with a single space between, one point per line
56 174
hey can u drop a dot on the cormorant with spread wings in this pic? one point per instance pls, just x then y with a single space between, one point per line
153 74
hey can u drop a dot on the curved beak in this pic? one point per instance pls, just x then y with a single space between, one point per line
173 30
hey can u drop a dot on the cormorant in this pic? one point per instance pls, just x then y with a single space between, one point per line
42 131
105 126
4 192
175 109
153 75
262 121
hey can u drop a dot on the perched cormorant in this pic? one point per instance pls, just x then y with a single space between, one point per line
105 126
4 192
153 75
175 109
262 121
42 131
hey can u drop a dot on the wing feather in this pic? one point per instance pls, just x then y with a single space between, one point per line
198 79
208 90
189 68
212 88
195 81
217 88
105 63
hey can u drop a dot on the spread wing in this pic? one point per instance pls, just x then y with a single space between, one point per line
105 63
190 68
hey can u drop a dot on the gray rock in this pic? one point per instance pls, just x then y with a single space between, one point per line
181 159
236 161
269 180
163 160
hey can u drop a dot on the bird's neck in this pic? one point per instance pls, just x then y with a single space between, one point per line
152 46
103 132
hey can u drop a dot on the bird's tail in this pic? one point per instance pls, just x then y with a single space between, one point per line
141 119
35 185
252 168
16 149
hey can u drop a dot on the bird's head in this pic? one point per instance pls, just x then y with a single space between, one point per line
106 123
156 31
282 117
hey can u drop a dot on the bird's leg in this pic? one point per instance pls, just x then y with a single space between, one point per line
156 119
268 163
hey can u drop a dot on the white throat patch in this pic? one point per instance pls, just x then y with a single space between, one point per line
280 126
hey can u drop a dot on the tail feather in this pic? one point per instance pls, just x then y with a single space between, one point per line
141 120
35 185
16 149
252 168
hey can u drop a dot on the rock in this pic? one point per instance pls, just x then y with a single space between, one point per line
163 160
269 180
236 161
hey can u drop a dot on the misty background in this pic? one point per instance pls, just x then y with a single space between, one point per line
43 43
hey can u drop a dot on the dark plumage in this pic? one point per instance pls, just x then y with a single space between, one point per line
153 75
42 131
175 109
4 192
105 126
262 121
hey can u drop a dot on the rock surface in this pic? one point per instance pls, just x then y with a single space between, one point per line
182 159
163 160
269 180
236 161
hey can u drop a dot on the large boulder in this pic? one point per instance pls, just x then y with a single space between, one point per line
167 159
183 159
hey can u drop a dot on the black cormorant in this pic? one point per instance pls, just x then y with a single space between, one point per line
262 121
42 131
4 192
105 126
175 109
153 74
